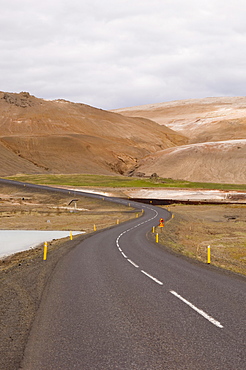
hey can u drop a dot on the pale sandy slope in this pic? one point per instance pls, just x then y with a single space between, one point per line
216 128
209 119
223 162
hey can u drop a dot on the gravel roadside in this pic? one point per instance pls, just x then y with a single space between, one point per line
23 277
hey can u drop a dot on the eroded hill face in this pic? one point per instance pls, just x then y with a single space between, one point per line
202 120
216 128
38 136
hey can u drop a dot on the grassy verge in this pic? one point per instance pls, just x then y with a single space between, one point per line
194 228
120 181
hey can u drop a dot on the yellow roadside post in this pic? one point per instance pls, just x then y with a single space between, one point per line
156 238
208 254
153 229
118 221
71 235
95 228
45 251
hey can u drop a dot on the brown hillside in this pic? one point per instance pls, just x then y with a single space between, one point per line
210 119
38 136
221 162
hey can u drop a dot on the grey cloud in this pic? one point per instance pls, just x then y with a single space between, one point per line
114 56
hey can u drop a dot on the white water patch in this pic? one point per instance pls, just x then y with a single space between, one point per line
14 241
185 194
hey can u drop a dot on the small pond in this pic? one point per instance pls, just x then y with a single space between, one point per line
13 241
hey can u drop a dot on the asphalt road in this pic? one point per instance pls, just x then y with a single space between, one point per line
119 301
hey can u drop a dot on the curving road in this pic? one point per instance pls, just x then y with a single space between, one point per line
118 301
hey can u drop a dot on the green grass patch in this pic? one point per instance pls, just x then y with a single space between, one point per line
120 181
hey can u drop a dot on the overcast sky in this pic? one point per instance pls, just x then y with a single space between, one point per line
122 53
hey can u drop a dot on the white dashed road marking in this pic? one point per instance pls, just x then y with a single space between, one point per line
201 312
123 254
204 314
152 277
133 263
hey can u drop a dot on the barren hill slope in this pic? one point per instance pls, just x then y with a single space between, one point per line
218 124
210 119
221 162
38 136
